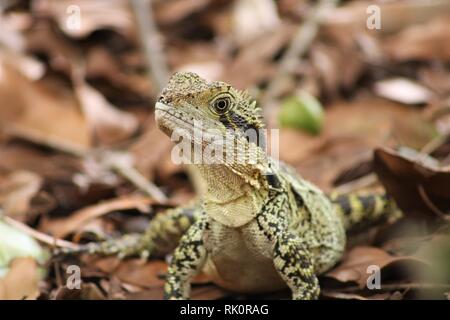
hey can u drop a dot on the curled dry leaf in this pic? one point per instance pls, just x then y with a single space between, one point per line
62 227
418 188
355 265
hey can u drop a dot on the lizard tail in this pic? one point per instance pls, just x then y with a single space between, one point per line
359 211
160 238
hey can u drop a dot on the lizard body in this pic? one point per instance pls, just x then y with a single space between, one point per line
258 226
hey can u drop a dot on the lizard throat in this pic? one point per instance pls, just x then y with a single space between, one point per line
228 198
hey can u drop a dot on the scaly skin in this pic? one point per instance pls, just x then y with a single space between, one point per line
258 226
262 226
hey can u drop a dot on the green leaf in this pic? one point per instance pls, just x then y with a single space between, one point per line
302 111
14 244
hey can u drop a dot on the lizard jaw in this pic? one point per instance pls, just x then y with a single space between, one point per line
170 119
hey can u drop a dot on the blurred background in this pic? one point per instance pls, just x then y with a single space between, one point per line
359 89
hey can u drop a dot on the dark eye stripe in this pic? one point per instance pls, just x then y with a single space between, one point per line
232 120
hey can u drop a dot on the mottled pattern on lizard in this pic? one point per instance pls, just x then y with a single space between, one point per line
258 226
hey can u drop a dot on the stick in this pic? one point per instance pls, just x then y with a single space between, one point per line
298 47
42 237
148 33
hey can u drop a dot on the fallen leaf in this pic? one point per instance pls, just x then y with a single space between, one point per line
172 11
427 41
44 112
141 273
88 291
352 129
241 73
60 228
418 188
396 15
355 264
108 123
79 18
21 282
17 191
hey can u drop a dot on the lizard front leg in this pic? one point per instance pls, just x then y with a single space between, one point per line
291 256
293 262
187 260
160 238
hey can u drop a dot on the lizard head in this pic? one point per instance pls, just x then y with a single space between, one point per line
218 111
217 105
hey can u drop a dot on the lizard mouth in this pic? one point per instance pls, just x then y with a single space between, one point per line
169 119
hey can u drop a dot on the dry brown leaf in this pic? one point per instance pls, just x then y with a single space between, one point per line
355 263
108 123
149 162
43 112
242 73
88 291
21 281
172 11
17 190
417 187
17 156
93 15
208 292
351 129
60 228
395 15
140 273
422 42
336 66
102 65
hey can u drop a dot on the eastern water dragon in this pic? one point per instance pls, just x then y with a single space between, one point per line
257 226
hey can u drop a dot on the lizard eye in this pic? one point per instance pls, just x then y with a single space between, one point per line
221 105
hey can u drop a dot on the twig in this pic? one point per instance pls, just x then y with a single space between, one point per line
149 35
298 47
42 237
128 171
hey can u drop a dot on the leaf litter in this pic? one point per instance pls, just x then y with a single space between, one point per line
71 98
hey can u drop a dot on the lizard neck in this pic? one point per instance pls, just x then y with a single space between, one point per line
220 184
228 197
